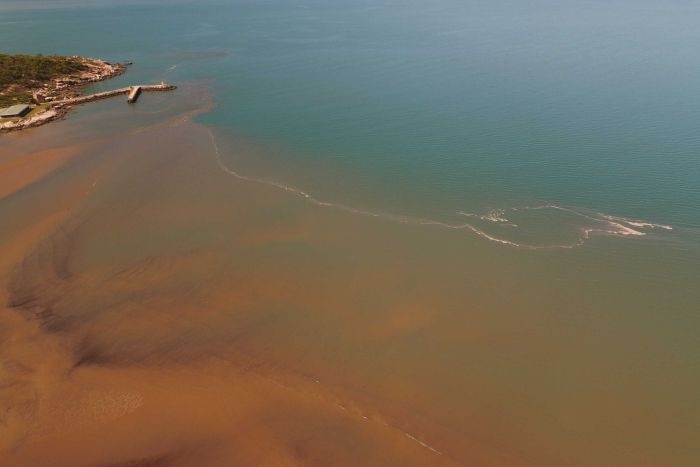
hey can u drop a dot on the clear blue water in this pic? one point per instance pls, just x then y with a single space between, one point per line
427 108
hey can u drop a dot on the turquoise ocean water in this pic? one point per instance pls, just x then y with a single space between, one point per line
446 110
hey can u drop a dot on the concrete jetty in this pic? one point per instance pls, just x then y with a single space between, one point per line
58 109
116 92
134 94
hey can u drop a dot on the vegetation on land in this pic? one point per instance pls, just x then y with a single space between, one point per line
19 73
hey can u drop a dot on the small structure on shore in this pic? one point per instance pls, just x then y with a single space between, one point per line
19 110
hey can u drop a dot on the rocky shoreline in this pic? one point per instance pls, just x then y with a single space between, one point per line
60 89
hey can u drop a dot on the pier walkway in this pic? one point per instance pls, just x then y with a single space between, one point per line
116 92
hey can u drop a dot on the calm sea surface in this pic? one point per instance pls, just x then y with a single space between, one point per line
565 135
429 108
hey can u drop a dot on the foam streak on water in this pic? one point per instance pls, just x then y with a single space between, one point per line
604 224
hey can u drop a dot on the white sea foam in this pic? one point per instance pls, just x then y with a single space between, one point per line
637 223
496 216
599 223
607 224
422 443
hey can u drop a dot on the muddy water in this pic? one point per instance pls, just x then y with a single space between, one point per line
159 308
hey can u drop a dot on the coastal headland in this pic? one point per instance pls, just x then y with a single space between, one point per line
39 89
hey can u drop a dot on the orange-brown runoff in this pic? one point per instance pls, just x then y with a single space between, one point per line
157 311
121 346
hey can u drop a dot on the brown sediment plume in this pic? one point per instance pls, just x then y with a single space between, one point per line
156 310
136 355
19 169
